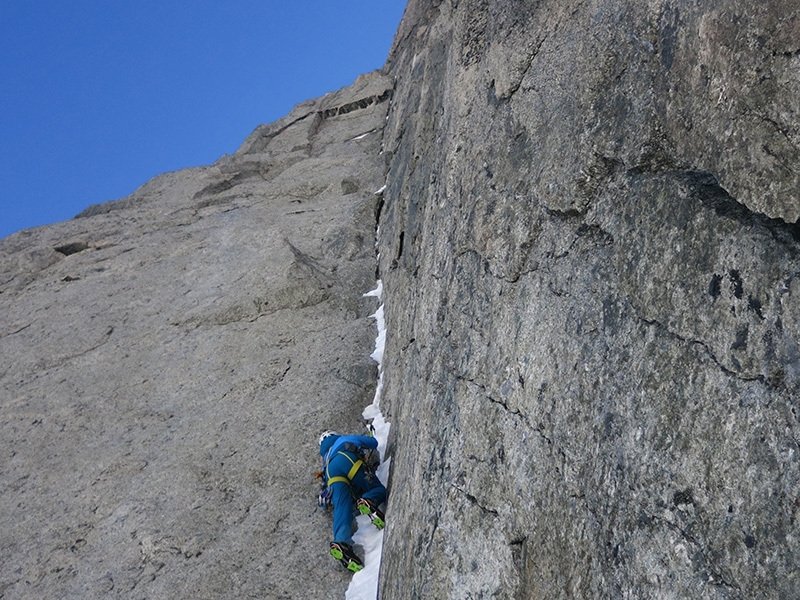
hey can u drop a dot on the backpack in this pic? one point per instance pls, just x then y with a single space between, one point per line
370 457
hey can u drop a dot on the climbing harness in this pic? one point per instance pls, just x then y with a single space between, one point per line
352 473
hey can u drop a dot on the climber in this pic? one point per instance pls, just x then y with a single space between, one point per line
349 482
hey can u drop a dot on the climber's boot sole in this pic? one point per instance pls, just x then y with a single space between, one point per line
365 509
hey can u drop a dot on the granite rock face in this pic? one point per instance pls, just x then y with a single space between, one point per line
590 257
590 252
167 362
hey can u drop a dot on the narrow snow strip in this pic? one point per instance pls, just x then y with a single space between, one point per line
364 585
376 192
362 136
378 291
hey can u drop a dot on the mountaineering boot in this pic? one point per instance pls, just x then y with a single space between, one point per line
368 507
345 555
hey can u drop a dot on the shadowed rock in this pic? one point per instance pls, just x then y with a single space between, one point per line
590 257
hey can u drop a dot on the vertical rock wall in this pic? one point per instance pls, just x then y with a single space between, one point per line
167 362
589 247
590 260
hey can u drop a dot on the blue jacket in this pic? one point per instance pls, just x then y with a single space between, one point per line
336 461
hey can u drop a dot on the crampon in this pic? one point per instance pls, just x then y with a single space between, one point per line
367 507
345 555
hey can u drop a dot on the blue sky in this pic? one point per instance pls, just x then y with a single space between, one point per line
99 96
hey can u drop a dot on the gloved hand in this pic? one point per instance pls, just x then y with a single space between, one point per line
324 498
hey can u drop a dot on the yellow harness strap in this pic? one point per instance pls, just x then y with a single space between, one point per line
353 470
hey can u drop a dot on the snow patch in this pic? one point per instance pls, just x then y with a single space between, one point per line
362 136
364 585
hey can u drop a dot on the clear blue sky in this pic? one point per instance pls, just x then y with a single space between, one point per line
98 96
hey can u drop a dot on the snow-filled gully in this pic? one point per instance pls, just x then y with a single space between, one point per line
364 585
